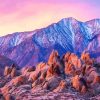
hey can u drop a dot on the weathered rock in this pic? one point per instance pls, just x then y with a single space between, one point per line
75 60
40 66
62 87
53 71
53 57
9 97
52 80
19 80
54 60
52 83
7 71
70 69
24 70
66 57
14 72
73 65
91 75
79 84
34 76
5 90
85 57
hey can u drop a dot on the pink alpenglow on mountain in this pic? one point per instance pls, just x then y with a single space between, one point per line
30 48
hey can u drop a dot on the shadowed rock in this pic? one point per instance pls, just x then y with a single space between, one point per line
62 87
79 84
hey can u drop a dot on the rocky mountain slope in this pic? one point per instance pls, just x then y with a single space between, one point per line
29 48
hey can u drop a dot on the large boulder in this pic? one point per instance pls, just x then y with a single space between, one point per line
34 76
11 71
19 80
53 57
27 71
53 71
70 69
85 57
91 74
52 83
79 84
54 60
62 87
73 64
7 71
75 60
14 72
66 57
5 90
40 66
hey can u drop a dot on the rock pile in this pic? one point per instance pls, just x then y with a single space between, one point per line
69 74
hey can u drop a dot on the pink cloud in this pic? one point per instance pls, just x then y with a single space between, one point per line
30 14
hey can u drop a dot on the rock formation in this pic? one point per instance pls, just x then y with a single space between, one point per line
71 75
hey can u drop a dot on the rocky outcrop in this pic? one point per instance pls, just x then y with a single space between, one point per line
79 84
73 64
62 87
11 71
19 80
69 77
91 75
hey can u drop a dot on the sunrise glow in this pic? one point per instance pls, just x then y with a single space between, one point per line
27 15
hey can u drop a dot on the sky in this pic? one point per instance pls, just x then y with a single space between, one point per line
28 15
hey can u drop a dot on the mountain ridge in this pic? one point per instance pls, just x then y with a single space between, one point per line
51 24
29 48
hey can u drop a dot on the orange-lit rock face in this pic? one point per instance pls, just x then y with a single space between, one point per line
72 69
52 83
7 71
54 70
37 82
34 76
5 90
49 72
40 66
20 80
62 87
85 57
54 60
53 57
10 72
43 75
13 72
92 76
58 75
8 97
28 69
69 68
76 82
75 60
66 57
63 84
79 84
73 65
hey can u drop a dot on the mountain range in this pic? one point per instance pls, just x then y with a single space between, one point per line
69 34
